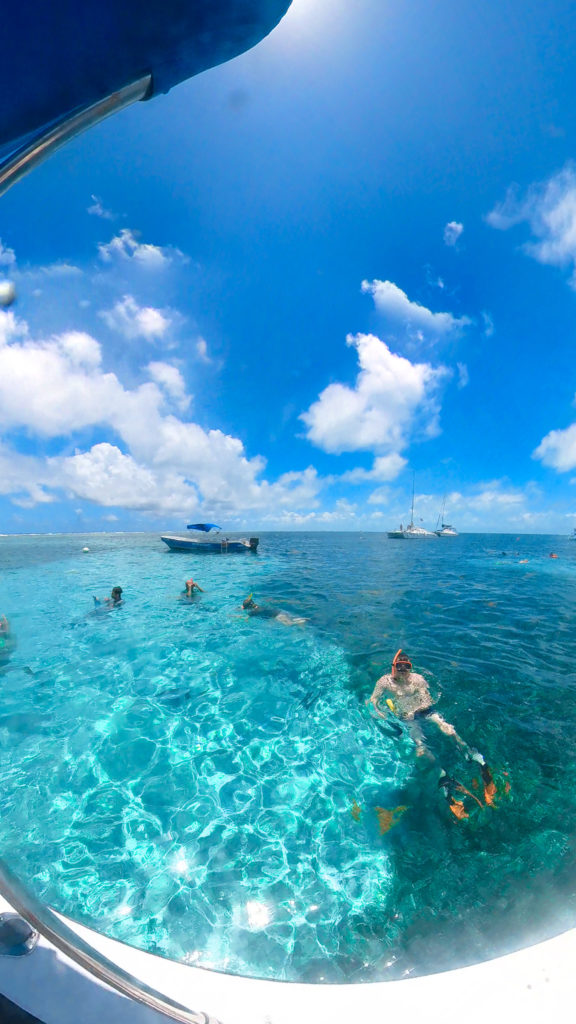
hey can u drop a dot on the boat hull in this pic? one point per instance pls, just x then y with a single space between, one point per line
221 546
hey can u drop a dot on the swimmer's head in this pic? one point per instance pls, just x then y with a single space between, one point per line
401 662
248 602
116 593
189 584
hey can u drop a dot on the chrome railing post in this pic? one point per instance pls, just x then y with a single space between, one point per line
49 925
17 164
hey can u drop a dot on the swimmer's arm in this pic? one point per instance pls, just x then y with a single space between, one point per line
382 684
199 588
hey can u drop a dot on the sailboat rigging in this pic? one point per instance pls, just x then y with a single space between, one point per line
411 532
445 530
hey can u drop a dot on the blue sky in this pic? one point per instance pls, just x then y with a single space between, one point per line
269 297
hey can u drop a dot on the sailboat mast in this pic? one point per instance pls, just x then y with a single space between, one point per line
441 515
412 512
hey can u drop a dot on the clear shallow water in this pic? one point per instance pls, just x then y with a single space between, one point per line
183 777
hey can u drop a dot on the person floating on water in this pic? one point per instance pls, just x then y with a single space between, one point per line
411 701
191 586
7 639
266 612
113 601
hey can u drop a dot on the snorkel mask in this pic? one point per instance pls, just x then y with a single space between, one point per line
401 662
248 602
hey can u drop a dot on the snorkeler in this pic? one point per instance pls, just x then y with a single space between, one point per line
249 605
191 586
411 700
113 601
266 612
7 640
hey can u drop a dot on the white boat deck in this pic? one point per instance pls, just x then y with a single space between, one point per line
534 986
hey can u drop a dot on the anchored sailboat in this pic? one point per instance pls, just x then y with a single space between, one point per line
446 530
411 532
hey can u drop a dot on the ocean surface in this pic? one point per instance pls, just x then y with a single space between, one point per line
211 786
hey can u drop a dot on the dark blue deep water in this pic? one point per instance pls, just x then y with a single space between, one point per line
212 787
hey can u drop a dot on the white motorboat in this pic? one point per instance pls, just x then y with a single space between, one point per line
199 541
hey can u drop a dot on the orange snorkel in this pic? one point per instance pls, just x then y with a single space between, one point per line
405 660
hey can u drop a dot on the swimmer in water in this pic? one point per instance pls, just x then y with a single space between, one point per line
266 612
7 641
113 601
411 701
191 586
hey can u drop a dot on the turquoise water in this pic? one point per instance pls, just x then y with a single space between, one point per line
185 778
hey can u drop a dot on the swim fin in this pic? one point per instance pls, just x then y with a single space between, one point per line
452 786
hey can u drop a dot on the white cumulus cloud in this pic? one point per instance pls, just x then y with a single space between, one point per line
170 378
202 350
7 255
126 246
107 477
452 233
11 327
549 208
97 209
134 321
386 467
57 387
395 305
391 400
558 449
493 496
463 375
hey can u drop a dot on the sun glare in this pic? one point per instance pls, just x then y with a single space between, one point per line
312 18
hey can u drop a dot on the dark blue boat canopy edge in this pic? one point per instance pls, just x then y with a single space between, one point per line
65 56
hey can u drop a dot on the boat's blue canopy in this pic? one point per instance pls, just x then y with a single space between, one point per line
59 56
205 527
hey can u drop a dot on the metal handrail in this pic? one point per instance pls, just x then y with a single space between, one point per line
32 153
46 922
